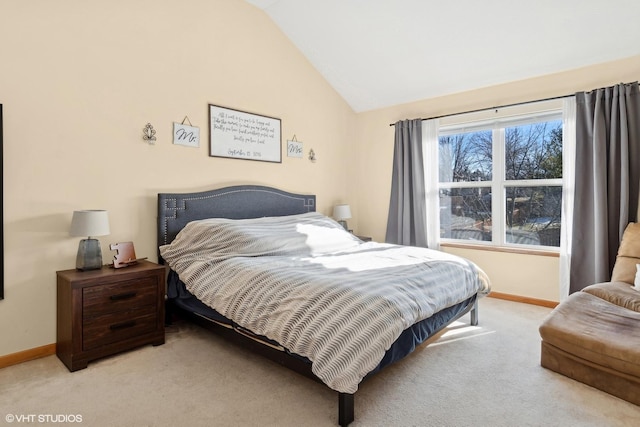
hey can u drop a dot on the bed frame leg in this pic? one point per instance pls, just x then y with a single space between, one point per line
474 314
345 409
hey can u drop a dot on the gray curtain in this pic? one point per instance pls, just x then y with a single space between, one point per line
607 179
407 221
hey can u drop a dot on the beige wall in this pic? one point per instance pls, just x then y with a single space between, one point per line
79 80
528 276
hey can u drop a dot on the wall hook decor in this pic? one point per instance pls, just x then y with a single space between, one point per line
312 156
149 134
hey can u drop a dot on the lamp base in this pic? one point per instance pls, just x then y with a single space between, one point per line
343 223
89 255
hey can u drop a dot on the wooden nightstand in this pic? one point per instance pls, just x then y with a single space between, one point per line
106 311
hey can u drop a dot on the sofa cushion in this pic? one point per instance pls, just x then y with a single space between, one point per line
628 255
618 293
597 331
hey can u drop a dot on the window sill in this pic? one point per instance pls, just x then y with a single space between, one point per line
505 249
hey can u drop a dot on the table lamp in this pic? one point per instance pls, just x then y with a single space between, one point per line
342 213
89 223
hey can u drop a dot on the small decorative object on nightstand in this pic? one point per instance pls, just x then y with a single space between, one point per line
106 311
125 254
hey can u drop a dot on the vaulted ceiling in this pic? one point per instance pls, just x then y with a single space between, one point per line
378 53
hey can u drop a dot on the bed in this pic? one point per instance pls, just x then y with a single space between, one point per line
261 267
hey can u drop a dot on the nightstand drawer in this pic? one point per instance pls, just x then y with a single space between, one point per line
111 328
116 297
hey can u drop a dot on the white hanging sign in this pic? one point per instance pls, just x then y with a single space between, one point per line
294 148
186 135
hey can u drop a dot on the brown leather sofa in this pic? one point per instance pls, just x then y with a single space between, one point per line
594 335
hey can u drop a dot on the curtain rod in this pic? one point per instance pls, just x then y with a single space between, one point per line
494 108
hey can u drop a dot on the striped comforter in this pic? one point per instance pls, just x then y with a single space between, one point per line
306 283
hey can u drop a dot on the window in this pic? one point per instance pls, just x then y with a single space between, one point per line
500 181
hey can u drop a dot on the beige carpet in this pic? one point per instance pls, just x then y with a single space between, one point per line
484 376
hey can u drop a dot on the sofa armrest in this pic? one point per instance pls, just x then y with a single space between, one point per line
619 293
628 256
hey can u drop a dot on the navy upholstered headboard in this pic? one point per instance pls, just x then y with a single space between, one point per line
175 210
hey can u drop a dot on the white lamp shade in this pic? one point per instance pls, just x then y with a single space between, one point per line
89 223
341 212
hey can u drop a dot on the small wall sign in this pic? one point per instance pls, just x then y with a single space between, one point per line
186 134
294 148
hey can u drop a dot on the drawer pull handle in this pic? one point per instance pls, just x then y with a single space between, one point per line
122 325
122 296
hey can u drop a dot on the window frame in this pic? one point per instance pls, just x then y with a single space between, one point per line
497 124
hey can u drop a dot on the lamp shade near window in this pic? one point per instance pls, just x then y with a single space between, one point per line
342 213
89 223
